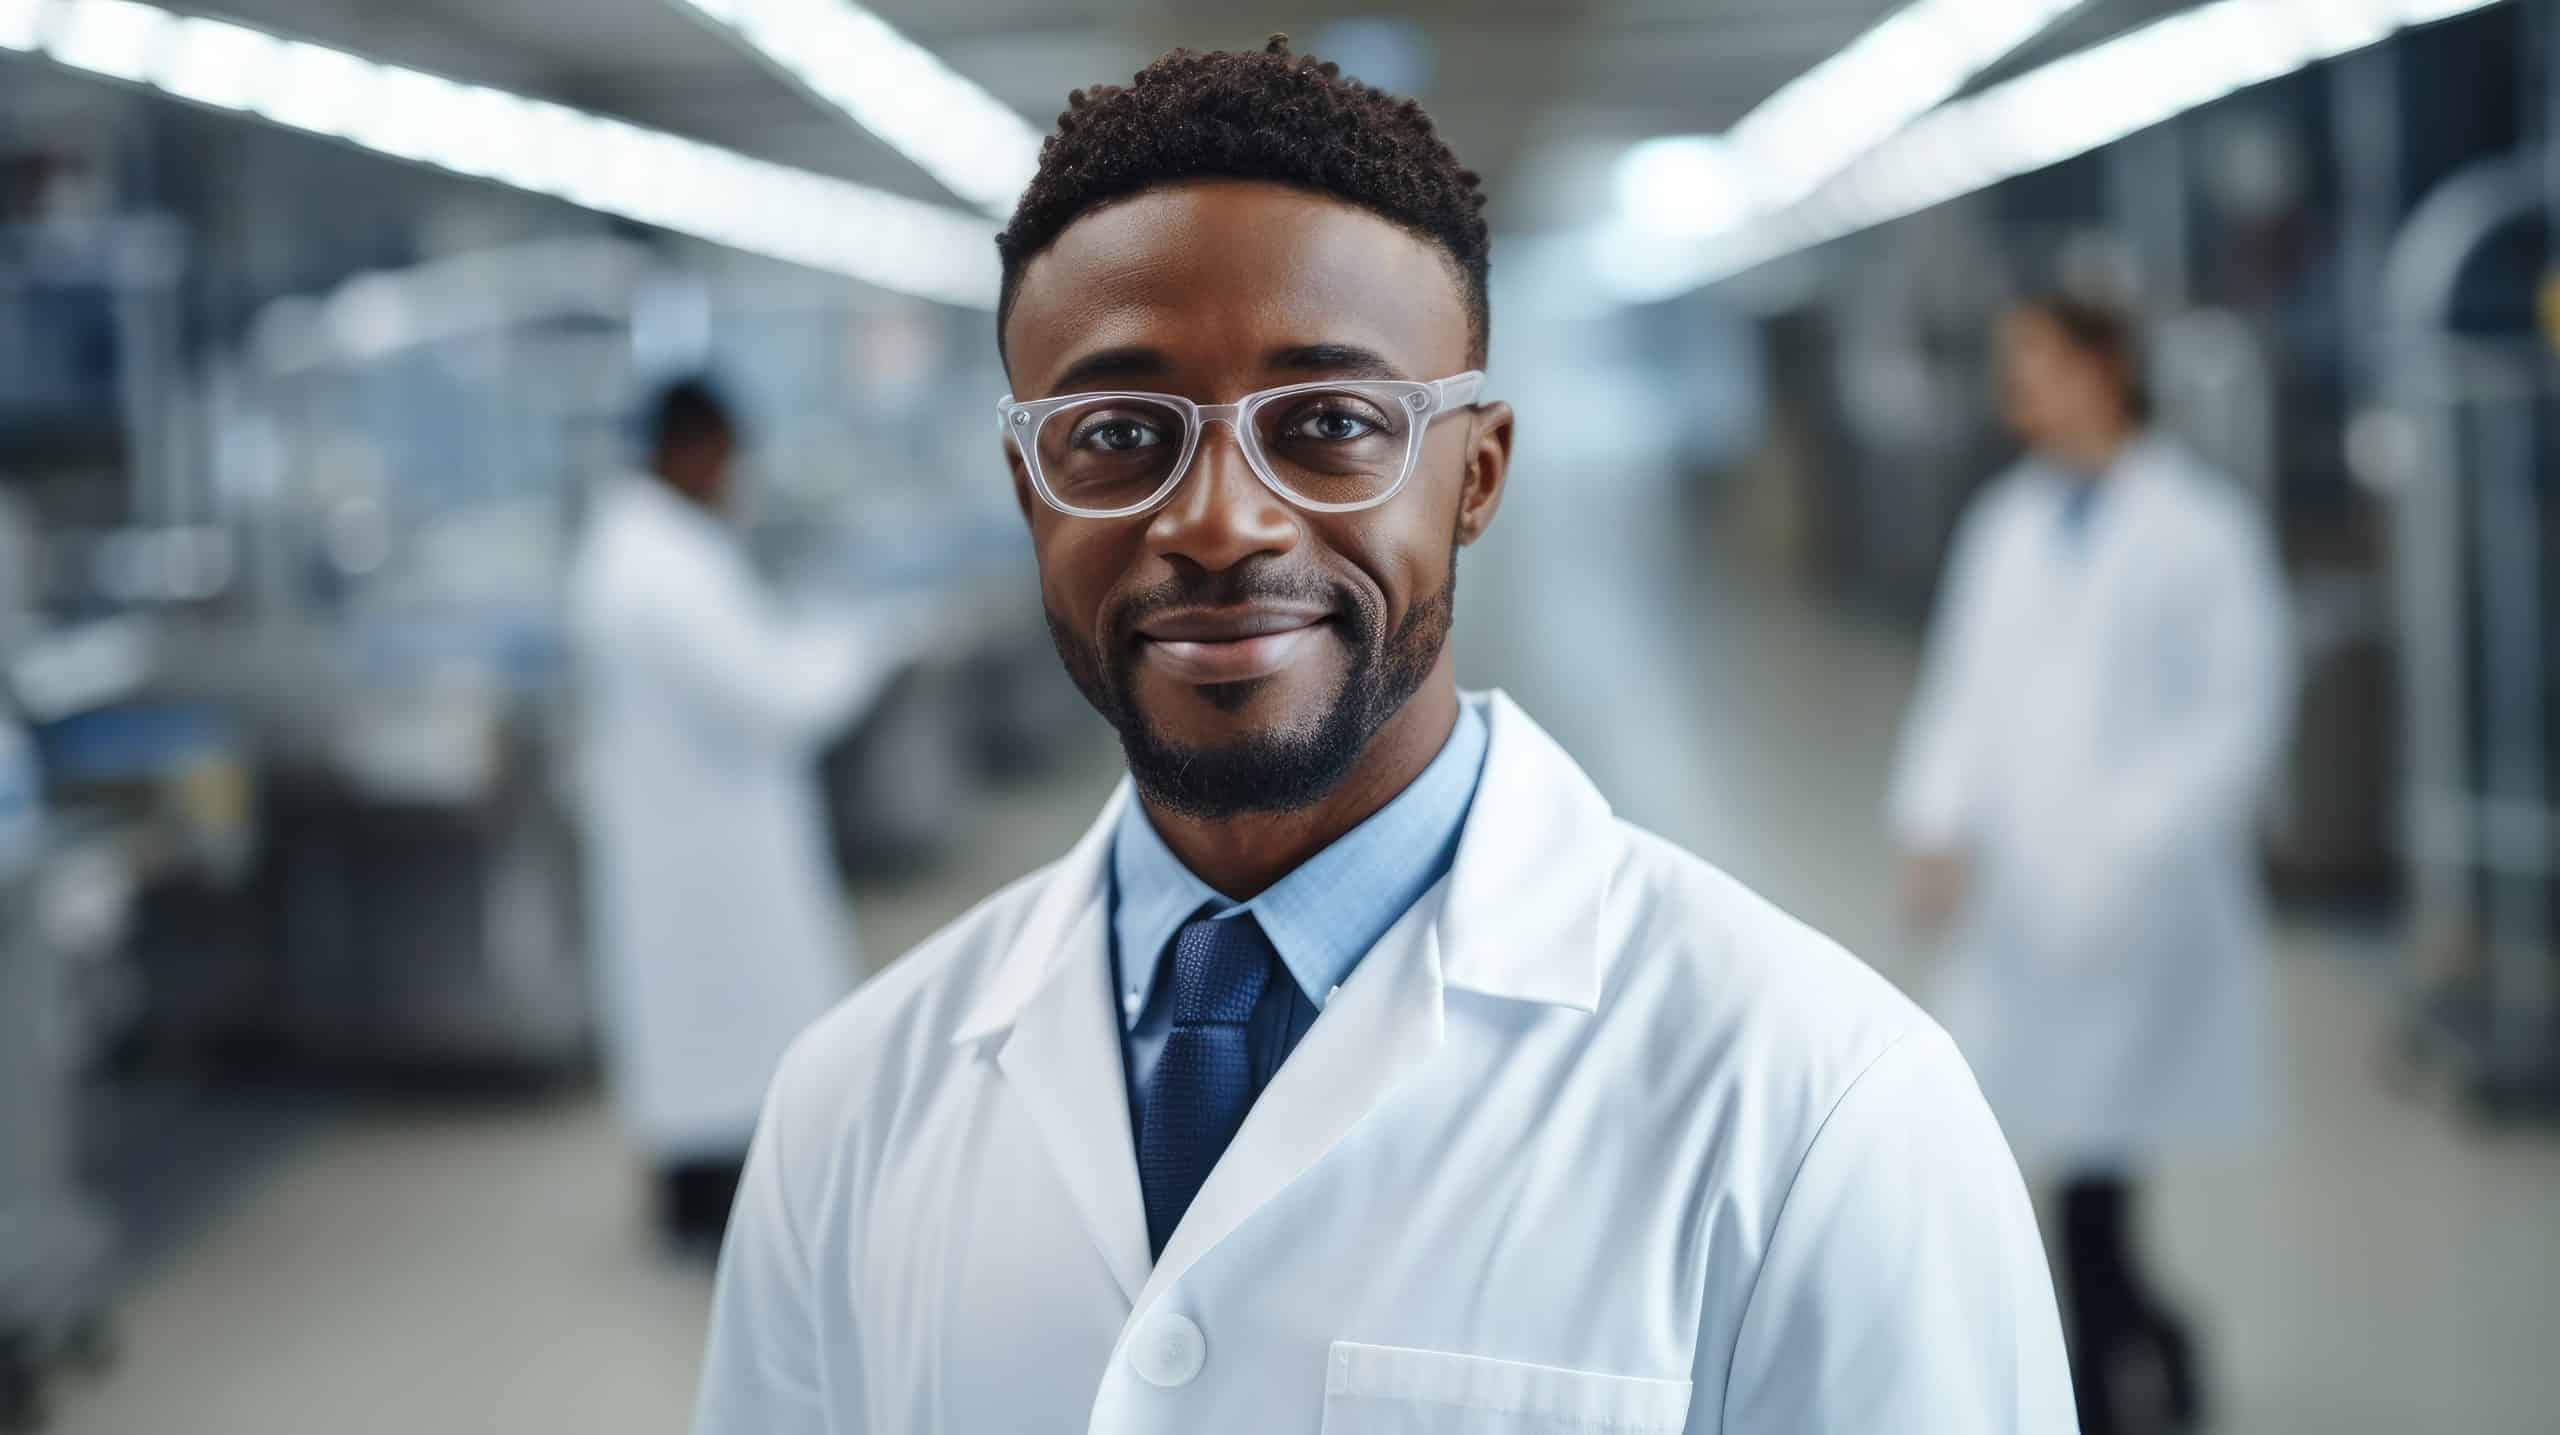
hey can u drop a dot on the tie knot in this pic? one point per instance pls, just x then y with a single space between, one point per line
1220 968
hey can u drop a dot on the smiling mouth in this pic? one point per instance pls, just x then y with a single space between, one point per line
1206 647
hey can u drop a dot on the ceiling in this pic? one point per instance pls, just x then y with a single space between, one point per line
1523 88
1541 96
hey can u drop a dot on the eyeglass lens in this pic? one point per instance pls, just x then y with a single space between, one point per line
1327 446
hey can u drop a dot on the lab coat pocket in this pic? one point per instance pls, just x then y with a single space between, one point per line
1385 1390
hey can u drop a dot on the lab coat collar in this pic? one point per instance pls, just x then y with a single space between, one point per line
1518 917
1077 882
2144 452
1324 916
639 488
1522 919
2135 463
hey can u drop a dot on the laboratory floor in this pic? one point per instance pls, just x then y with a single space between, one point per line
2381 1266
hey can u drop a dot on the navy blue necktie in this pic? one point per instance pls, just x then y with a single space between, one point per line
1203 1084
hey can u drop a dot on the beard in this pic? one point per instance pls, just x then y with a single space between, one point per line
1285 768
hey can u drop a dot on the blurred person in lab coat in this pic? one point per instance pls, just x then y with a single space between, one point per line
718 923
2106 685
1359 1068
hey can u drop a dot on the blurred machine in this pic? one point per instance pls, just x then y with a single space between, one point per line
2467 453
401 465
398 463
103 793
106 786
55 1246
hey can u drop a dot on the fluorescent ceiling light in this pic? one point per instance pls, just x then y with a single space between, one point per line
315 88
972 143
1823 120
18 23
588 160
215 63
1681 184
112 37
2069 107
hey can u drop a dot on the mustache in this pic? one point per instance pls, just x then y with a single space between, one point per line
1230 588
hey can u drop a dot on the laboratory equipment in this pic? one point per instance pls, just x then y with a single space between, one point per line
2464 453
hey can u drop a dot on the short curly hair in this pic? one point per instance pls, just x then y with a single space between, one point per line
1267 115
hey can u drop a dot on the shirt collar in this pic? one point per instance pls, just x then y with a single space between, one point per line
1322 917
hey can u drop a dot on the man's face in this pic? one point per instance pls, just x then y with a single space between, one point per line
1245 649
2053 394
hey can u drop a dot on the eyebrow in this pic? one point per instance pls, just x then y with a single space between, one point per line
1134 361
1349 360
1129 362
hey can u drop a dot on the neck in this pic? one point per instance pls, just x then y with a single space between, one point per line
2095 453
699 487
1241 856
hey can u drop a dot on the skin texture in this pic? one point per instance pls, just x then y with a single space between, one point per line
1932 889
2067 405
698 468
2063 402
1212 290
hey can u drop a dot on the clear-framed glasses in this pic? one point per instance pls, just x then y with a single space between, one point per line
1334 446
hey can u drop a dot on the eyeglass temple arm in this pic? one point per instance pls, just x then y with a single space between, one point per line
1457 391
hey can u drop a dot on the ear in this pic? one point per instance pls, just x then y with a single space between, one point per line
1488 467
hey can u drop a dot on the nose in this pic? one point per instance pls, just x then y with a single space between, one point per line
1221 514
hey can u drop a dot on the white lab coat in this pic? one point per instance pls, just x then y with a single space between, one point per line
1592 1139
718 924
2094 724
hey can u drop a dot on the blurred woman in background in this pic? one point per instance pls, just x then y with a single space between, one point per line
2106 686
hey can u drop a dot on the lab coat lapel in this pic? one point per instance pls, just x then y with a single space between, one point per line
2117 543
1377 1029
1061 1058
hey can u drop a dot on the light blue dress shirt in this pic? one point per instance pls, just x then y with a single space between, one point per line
1321 918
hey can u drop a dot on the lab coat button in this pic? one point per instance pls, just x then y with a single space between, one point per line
1169 1352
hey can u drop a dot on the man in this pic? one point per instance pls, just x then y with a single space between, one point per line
1358 1069
719 929
2105 690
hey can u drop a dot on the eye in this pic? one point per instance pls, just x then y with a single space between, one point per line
1117 433
1330 422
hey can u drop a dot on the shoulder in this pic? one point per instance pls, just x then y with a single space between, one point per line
633 554
2012 490
2009 504
874 1050
1820 1098
1771 1009
1843 1111
2200 503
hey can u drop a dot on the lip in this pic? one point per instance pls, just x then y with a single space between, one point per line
1229 645
1230 624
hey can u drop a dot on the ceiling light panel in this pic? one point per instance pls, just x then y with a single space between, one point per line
970 142
589 160
2069 107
